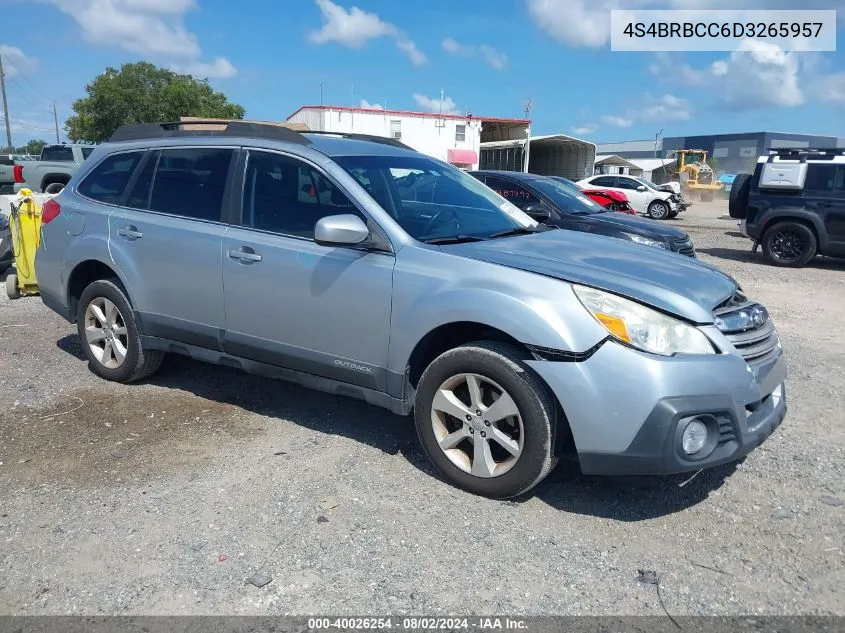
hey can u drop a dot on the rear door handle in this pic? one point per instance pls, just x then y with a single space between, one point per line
245 254
130 232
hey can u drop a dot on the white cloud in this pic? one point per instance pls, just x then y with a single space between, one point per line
666 108
446 106
587 128
370 106
16 62
493 58
650 109
757 75
410 49
353 28
617 121
451 45
145 27
220 68
830 89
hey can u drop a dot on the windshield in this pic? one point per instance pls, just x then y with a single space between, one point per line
572 186
565 198
648 183
432 200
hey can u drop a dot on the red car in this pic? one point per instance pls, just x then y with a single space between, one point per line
611 200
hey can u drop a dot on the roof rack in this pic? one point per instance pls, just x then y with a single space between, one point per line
803 153
208 127
384 140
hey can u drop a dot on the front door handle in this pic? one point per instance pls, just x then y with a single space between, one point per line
130 232
245 254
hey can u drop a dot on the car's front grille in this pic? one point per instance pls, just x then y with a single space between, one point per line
750 331
684 247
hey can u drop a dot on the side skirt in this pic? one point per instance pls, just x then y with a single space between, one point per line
318 383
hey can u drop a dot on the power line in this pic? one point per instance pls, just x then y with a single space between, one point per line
26 79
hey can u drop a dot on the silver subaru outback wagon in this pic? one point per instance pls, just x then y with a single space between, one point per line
360 267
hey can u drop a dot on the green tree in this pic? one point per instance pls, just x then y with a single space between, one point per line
142 93
33 148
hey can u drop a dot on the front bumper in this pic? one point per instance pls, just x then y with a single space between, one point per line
627 409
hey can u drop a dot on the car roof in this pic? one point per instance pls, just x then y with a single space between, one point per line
340 146
516 175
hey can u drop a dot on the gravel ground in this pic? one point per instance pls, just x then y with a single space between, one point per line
165 497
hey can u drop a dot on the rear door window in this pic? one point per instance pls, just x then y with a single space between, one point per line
604 181
189 183
108 180
86 152
627 183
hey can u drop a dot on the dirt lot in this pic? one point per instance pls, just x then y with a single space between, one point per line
166 497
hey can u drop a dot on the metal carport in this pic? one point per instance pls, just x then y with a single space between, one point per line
552 155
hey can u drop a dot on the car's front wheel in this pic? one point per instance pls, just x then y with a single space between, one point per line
789 244
658 210
486 420
109 334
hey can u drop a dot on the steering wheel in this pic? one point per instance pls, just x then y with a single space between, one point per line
436 217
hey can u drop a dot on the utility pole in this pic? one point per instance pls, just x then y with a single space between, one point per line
529 106
5 106
56 120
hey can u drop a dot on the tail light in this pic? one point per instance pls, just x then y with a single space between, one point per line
50 211
19 173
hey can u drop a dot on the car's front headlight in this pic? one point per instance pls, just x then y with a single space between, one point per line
642 327
645 241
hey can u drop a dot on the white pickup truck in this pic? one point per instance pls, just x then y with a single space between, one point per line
53 170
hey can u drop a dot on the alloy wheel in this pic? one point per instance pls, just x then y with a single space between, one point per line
477 425
106 333
787 246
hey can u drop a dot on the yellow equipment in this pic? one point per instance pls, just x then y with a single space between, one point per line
694 173
25 225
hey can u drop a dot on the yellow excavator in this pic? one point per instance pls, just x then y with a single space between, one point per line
694 174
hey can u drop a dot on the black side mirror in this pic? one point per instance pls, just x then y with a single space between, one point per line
538 211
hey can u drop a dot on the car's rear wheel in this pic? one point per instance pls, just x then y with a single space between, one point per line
109 335
486 420
658 210
790 244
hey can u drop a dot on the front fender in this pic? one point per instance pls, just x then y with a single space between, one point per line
531 308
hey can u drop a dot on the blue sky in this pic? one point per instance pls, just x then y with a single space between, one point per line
271 57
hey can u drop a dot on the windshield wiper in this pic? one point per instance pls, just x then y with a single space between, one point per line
519 230
455 239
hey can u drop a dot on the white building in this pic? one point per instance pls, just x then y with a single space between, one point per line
452 138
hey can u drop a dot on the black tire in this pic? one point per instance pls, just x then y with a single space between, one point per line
789 244
139 363
659 210
12 290
54 187
738 200
673 214
503 364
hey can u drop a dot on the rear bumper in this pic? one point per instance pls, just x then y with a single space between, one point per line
627 410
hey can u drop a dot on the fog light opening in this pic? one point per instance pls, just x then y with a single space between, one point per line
694 437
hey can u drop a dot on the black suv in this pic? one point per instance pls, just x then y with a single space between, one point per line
793 205
551 202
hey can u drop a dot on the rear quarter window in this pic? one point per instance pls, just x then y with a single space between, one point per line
108 180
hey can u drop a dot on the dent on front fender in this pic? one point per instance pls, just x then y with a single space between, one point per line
433 289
